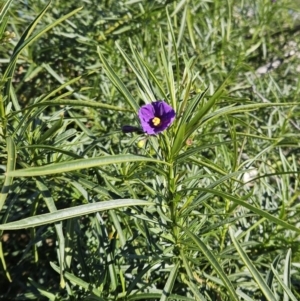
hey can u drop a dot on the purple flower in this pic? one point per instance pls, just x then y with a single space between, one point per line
156 117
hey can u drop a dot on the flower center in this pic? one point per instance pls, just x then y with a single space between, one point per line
156 121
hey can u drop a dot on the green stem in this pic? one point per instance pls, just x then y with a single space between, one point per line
172 200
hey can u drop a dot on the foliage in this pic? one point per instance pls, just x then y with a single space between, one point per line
206 210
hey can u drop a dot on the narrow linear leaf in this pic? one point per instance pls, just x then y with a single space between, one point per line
270 274
118 227
140 74
26 41
234 109
196 121
171 31
117 82
74 103
214 263
4 9
155 294
78 281
150 73
3 262
52 149
186 265
138 277
253 209
193 104
195 289
287 274
287 290
51 131
61 87
243 295
64 84
180 136
67 213
77 165
58 226
44 292
256 275
112 268
170 283
11 164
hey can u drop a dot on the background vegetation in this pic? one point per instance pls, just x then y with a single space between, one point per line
207 210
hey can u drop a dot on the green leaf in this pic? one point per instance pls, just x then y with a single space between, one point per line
117 82
270 274
287 276
170 282
11 165
118 227
67 213
26 41
140 74
180 136
155 294
196 121
195 289
214 263
256 275
144 65
58 226
138 278
77 165
78 281
43 291
288 294
260 212
4 9
186 265
77 103
51 131
244 295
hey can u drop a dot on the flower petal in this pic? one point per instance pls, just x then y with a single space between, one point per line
146 112
159 109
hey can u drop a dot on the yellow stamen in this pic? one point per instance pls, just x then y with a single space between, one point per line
156 121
